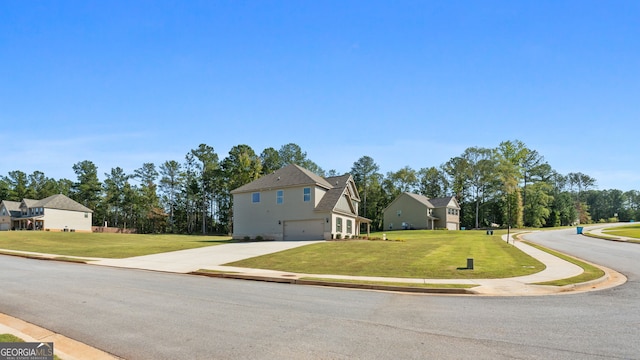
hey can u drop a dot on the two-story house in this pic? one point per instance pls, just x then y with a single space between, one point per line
415 211
293 203
56 213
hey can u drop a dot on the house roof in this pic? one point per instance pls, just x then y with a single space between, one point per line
330 199
295 176
443 201
59 201
13 207
290 175
434 203
422 199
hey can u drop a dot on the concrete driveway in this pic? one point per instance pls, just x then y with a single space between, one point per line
185 261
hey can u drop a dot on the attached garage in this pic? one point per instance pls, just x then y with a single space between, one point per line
4 227
304 230
452 226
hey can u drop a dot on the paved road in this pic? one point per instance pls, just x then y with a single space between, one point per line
147 315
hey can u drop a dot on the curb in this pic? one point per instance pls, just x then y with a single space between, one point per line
64 347
617 279
408 289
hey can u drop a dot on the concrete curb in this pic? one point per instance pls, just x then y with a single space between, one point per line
295 281
65 348
612 277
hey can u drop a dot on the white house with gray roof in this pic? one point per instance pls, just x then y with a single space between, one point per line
414 211
293 203
54 213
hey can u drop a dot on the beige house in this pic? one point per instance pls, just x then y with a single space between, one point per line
295 204
413 211
55 213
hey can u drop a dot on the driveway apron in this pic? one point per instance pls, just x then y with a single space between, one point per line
185 261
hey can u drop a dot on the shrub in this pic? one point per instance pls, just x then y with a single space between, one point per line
338 236
259 238
247 238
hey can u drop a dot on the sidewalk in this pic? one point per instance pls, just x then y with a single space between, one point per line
556 269
213 258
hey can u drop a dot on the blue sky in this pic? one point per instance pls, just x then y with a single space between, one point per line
409 83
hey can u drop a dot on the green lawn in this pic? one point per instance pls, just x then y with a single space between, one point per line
632 231
5 338
411 254
590 272
101 244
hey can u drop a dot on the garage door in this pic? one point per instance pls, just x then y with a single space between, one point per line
4 227
452 226
304 230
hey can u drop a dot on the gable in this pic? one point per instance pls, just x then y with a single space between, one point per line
445 202
11 207
409 198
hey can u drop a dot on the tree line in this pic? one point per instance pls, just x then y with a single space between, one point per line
507 185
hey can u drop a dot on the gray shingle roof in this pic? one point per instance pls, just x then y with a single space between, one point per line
441 202
422 199
290 175
60 202
330 199
13 207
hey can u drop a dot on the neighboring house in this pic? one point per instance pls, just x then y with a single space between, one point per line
8 210
55 213
295 204
413 211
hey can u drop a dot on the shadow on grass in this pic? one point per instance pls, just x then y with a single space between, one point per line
229 241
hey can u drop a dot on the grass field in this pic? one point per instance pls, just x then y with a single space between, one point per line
9 338
410 254
632 231
102 245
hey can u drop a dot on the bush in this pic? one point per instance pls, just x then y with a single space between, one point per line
259 238
338 236
247 238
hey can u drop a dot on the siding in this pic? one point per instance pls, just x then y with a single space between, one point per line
261 219
412 212
55 219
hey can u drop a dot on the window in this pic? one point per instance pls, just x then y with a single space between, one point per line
307 194
279 196
399 212
4 211
255 197
339 225
86 215
349 226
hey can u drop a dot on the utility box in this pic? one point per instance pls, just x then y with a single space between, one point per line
470 263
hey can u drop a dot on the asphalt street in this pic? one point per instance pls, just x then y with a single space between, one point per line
138 314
